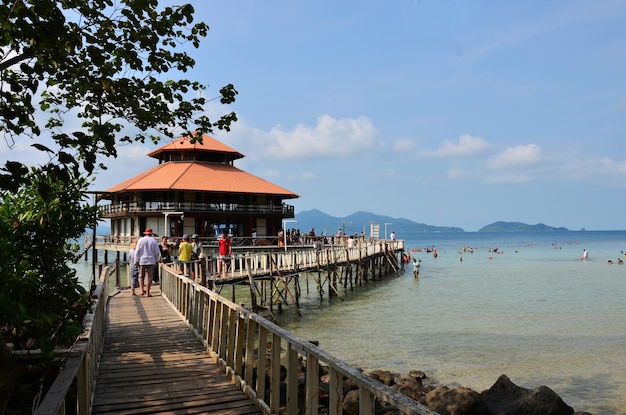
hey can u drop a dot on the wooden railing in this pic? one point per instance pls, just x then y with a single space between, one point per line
81 361
244 344
250 263
111 209
239 242
268 259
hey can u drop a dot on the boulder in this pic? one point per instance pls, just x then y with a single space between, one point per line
456 401
506 398
412 389
383 376
351 403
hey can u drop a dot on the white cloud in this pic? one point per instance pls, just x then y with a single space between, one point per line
402 145
518 156
330 137
594 167
131 160
466 146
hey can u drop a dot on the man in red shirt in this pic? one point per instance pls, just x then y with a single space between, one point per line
226 248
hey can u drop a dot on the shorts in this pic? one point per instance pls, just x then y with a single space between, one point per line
147 272
134 278
224 260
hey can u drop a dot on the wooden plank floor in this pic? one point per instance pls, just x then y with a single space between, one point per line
152 364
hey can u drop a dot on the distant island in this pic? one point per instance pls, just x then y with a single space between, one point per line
360 222
520 227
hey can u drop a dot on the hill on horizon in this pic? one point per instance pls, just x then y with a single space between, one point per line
360 222
501 226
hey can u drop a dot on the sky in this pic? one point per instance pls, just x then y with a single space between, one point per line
444 112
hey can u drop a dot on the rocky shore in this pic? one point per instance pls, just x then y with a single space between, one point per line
503 398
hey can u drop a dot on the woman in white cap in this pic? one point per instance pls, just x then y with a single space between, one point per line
197 247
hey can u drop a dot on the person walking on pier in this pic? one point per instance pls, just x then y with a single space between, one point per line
185 249
134 271
226 248
166 250
196 247
147 256
166 255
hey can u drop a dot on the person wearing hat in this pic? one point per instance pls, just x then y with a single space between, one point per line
197 247
147 255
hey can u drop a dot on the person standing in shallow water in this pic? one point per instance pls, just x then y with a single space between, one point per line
585 255
416 268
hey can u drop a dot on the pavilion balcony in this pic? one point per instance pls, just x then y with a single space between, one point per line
126 208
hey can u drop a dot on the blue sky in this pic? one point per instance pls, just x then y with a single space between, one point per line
449 113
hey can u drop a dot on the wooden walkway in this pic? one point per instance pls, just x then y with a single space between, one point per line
152 363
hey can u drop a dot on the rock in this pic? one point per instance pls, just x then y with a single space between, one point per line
383 376
351 403
457 401
417 374
506 398
413 389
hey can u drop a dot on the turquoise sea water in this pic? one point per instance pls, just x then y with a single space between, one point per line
533 312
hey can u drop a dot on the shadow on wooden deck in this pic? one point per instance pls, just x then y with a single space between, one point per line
152 363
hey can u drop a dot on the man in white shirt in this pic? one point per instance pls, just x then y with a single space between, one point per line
147 256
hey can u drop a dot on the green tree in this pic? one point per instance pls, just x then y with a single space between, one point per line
108 67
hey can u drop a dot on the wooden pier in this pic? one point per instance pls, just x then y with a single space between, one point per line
189 350
152 363
278 271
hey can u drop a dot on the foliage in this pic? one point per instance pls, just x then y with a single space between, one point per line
81 74
105 64
41 301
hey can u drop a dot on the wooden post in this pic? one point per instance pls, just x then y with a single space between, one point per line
117 272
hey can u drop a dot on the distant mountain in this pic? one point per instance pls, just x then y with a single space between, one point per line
360 222
520 227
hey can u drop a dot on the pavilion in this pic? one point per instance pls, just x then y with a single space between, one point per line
196 189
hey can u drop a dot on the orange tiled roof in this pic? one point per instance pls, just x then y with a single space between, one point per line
209 144
202 177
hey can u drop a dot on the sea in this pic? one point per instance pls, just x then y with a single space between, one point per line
520 304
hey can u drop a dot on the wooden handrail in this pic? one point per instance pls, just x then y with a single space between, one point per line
242 342
81 364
